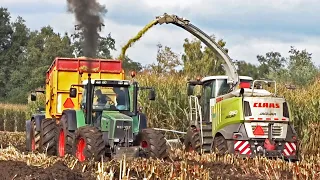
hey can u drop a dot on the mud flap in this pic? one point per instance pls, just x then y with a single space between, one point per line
28 135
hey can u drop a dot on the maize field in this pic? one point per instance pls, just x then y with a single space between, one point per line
168 111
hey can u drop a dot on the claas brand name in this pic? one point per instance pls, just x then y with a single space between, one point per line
266 105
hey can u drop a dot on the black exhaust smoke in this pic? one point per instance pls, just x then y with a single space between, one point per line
88 14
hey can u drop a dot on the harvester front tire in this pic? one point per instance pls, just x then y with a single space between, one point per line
88 144
192 141
154 144
65 137
220 145
48 136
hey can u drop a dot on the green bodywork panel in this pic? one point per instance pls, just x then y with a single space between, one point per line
80 118
108 117
226 112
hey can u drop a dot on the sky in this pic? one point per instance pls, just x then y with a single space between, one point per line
249 27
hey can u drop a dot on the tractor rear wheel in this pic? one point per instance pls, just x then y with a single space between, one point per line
88 144
48 136
219 145
65 137
192 141
154 144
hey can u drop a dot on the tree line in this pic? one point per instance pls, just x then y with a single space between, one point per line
26 55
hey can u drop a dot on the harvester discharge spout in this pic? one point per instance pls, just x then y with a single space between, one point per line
231 71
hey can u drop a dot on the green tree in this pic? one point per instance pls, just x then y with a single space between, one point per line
6 32
198 61
167 61
130 65
301 69
271 65
247 69
106 45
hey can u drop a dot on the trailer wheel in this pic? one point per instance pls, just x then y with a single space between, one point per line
88 144
153 143
65 137
219 145
48 136
33 136
192 140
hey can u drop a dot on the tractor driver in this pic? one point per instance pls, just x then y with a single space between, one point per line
120 96
102 98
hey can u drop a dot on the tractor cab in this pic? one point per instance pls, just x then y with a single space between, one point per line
211 87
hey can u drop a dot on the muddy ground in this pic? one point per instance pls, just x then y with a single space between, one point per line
21 171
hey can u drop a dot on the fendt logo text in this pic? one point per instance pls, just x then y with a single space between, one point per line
266 105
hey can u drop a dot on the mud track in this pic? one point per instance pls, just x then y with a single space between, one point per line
21 171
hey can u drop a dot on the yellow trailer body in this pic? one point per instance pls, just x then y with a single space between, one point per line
65 72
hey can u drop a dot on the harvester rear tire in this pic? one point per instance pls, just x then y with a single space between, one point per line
219 145
192 141
88 144
65 137
48 136
154 144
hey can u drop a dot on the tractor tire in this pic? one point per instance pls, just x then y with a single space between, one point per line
48 136
219 145
192 141
33 140
88 144
154 144
65 138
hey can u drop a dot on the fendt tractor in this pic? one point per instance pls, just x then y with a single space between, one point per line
235 114
93 114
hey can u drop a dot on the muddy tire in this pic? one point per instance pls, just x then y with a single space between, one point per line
65 138
192 141
153 143
219 145
88 144
33 137
48 136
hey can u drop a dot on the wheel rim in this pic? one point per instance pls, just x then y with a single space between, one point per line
144 144
80 149
61 143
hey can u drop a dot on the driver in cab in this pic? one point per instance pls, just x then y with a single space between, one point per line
101 98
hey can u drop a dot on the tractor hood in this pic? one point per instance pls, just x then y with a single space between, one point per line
115 115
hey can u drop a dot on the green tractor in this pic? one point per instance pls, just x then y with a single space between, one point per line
108 124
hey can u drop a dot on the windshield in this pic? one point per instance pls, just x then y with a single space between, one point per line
111 98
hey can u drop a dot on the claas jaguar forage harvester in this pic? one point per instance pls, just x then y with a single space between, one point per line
235 114
77 121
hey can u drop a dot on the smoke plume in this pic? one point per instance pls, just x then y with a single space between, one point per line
88 14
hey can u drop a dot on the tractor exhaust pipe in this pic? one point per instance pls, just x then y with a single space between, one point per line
89 100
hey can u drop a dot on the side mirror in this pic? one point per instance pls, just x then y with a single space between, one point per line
152 95
190 89
33 97
73 92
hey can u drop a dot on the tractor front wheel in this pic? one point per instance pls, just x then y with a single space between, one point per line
88 144
65 137
154 144
192 141
48 136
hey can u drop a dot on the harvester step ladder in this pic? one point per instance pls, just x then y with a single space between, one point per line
195 113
